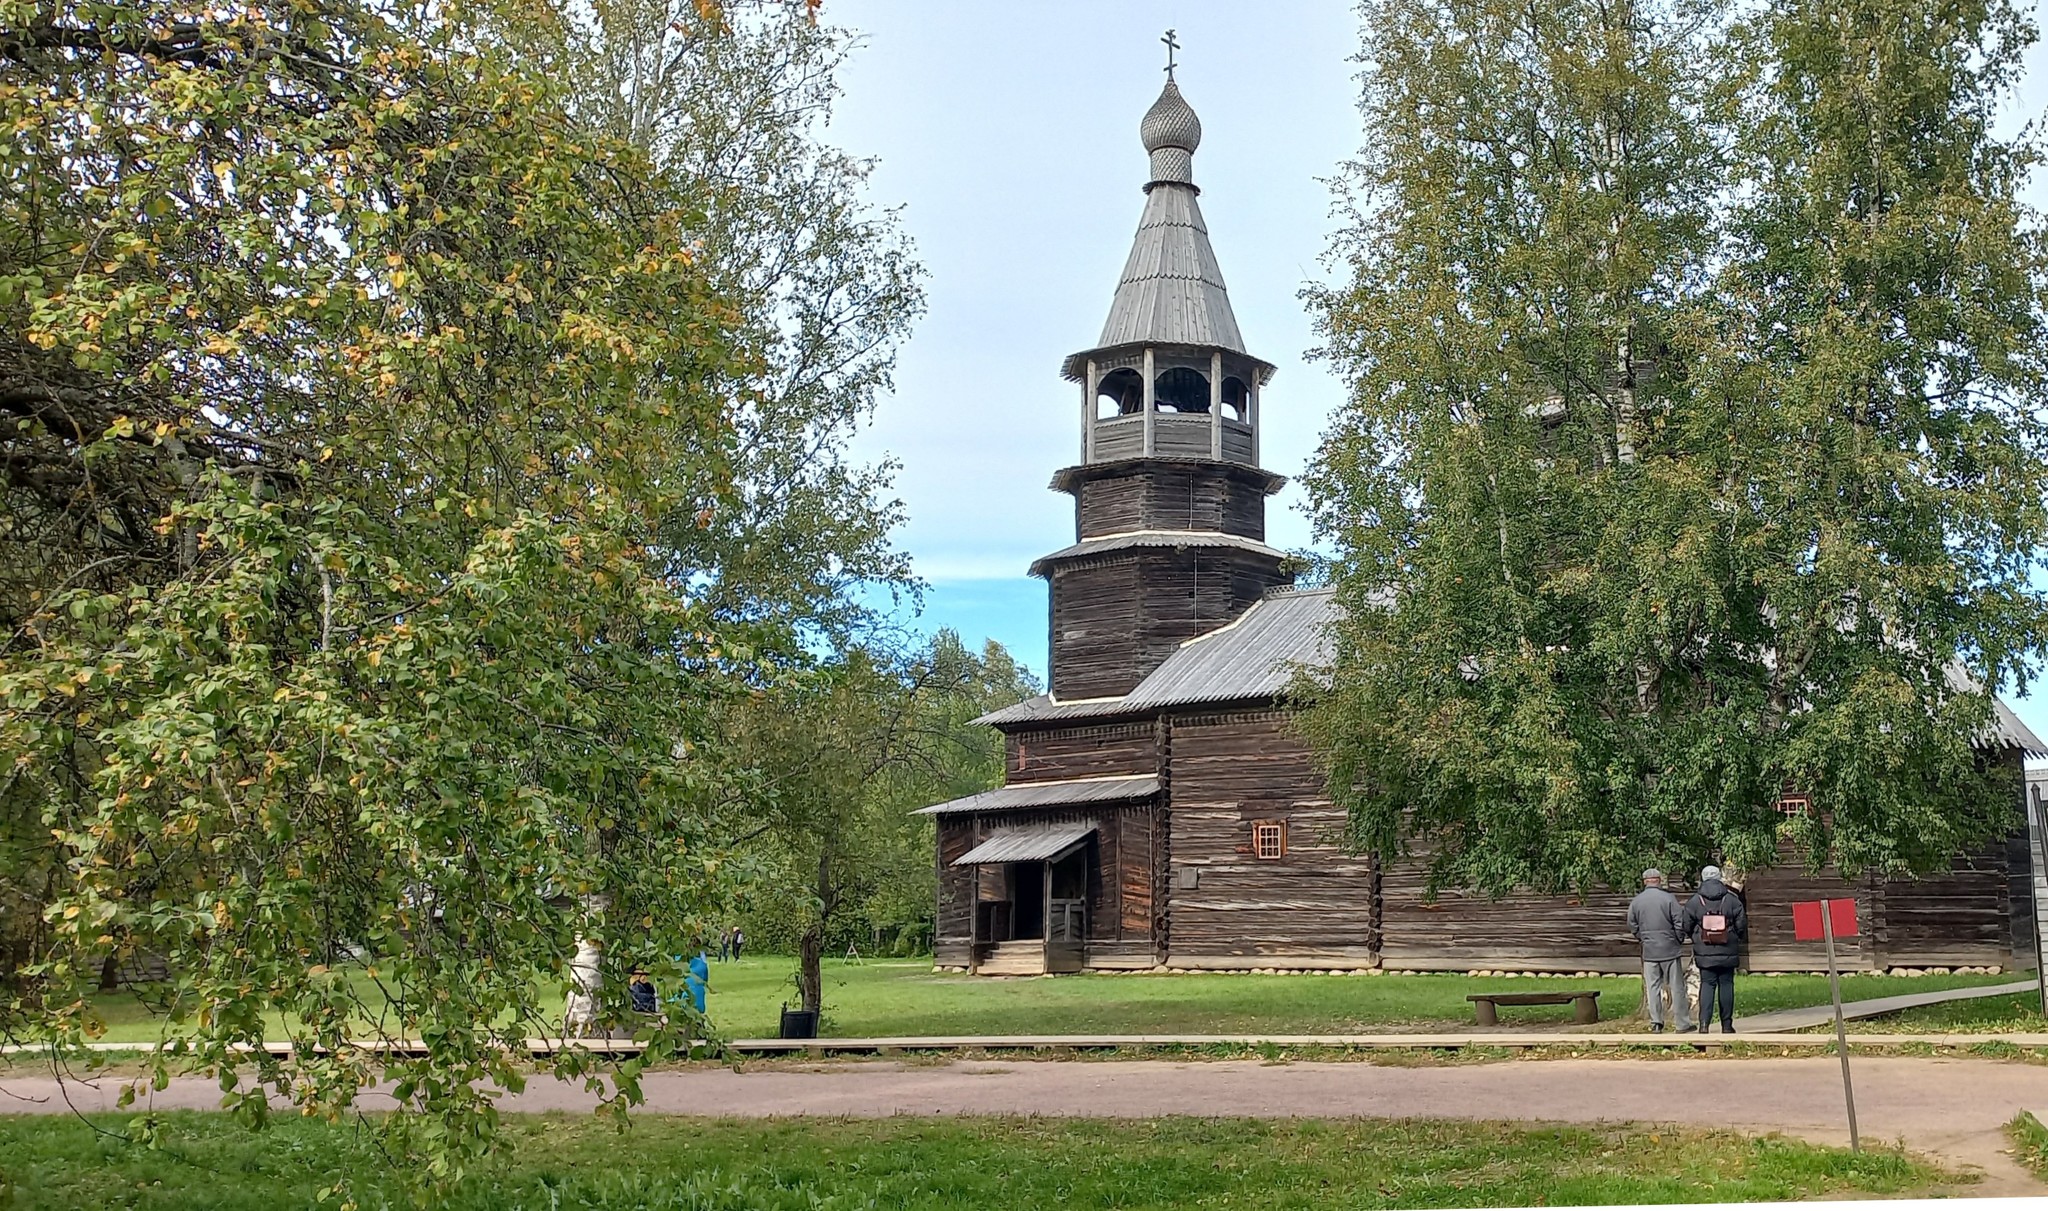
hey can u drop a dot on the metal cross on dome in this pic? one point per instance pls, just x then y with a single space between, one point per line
1172 45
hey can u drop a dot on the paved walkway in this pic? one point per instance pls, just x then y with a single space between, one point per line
1821 1015
1544 1037
1955 1109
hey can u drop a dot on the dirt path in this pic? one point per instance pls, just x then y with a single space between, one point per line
1951 1108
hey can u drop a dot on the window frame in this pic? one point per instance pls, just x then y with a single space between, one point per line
1278 835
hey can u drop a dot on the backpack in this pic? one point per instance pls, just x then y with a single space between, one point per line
1714 926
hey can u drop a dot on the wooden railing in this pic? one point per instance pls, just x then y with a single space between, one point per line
1174 435
1067 921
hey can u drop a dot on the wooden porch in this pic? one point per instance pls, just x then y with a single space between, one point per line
1030 901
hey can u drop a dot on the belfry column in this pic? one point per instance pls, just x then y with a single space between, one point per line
1170 513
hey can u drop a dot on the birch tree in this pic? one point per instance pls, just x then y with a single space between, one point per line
734 100
1621 560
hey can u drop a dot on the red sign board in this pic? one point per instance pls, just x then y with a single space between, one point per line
1806 924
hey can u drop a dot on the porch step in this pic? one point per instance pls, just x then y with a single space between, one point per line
1025 958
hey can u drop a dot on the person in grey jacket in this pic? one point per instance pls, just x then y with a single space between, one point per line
1716 951
1658 922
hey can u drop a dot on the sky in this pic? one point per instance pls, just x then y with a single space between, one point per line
1008 134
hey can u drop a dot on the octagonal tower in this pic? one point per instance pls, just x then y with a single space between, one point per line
1170 502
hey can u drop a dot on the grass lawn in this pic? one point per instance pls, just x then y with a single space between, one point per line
2013 1013
902 997
824 1164
905 997
2030 1142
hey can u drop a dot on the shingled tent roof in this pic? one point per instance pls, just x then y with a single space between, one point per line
1171 291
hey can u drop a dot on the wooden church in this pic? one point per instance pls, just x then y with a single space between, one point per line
1159 808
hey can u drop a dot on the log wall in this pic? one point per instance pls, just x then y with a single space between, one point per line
1768 897
1055 753
1182 882
1961 917
1458 931
1313 907
1171 496
1117 617
1956 917
953 926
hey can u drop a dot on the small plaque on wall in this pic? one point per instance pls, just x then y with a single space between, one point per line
1190 878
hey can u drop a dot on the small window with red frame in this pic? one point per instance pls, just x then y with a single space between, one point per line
1269 839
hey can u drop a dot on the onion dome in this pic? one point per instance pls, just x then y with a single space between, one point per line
1171 132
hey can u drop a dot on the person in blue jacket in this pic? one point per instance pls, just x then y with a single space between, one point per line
698 982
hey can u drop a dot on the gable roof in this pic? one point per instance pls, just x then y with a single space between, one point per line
1257 657
1042 844
2006 729
1254 657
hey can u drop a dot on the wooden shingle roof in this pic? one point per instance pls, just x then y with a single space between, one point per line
1252 658
1171 291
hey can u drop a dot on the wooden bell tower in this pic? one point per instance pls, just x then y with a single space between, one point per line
1170 502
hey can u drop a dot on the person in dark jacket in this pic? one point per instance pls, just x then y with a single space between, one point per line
1716 924
641 989
1657 920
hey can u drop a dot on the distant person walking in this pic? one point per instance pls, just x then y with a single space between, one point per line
1657 920
725 944
739 941
1716 923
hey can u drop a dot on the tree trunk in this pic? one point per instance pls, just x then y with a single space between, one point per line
810 977
810 948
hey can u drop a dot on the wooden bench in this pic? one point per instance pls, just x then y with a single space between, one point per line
1585 1005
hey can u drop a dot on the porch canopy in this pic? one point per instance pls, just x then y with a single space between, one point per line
1026 845
1067 792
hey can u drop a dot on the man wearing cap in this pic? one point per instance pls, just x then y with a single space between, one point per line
1657 921
1716 923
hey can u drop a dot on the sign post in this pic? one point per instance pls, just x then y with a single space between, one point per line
1813 918
2037 823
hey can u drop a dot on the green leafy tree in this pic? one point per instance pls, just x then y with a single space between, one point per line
732 100
358 397
1695 444
866 739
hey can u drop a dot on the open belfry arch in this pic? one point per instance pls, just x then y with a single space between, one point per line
1159 808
